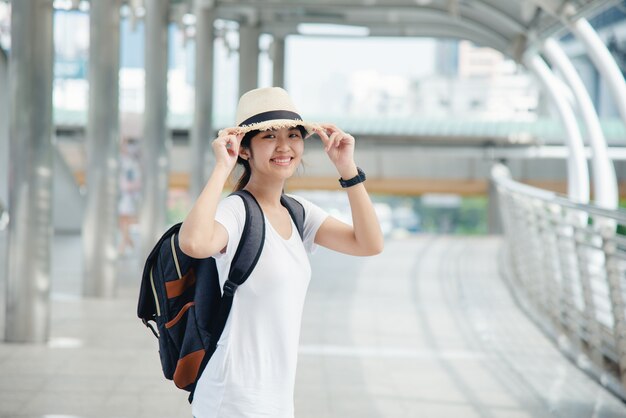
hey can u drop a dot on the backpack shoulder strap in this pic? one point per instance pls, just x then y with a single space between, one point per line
251 242
244 261
296 211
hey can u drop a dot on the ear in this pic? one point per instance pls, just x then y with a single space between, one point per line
244 153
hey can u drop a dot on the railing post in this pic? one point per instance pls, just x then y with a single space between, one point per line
550 273
583 260
534 250
614 279
562 273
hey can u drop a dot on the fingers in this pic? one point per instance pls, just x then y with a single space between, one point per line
321 132
232 145
226 137
333 137
229 131
330 128
325 130
334 140
229 142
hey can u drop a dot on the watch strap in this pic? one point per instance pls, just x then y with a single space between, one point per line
359 178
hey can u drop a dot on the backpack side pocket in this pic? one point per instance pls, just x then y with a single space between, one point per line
184 328
167 352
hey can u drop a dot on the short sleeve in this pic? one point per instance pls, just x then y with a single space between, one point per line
231 214
314 216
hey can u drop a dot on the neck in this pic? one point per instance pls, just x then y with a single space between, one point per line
266 192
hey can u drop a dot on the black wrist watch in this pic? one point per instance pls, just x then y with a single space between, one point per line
359 178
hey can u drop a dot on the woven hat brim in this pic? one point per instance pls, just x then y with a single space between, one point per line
274 124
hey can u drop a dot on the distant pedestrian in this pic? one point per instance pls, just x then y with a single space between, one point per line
130 189
252 372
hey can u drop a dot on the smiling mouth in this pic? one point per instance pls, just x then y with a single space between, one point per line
284 161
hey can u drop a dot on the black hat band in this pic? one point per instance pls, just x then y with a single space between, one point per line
271 115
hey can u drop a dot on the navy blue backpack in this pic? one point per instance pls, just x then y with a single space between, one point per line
182 295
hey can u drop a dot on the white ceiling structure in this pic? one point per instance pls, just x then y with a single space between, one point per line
525 30
521 29
509 26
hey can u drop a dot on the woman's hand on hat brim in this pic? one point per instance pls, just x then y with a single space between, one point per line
226 147
338 145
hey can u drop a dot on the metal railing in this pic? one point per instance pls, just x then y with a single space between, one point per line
566 265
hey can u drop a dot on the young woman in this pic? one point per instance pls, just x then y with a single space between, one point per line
252 372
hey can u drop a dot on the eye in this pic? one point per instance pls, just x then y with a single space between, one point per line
269 136
295 135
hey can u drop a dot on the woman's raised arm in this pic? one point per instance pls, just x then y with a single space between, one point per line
200 235
364 237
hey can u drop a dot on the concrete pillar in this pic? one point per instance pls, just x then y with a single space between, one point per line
4 127
4 180
156 140
202 130
30 189
278 61
248 57
100 223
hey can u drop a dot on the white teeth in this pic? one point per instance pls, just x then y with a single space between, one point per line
282 160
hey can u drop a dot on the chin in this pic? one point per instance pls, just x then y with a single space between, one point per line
288 173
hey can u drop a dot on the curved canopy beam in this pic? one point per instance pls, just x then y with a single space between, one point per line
577 171
292 13
494 14
502 25
604 179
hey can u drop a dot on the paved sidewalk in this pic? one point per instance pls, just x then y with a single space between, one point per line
427 329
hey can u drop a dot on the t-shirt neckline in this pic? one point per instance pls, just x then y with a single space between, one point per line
293 227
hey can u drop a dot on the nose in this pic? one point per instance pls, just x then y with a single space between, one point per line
283 142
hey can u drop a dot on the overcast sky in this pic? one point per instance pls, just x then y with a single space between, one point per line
318 69
319 66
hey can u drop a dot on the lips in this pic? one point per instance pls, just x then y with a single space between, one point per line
283 161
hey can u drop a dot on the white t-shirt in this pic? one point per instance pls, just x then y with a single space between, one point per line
252 372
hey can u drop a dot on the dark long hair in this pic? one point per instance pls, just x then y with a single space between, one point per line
245 143
245 177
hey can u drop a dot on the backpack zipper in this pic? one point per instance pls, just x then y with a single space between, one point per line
156 299
180 276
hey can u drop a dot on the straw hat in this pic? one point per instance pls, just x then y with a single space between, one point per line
268 108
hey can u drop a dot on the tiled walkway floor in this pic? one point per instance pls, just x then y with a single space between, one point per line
427 329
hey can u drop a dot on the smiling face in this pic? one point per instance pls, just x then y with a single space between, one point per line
275 154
